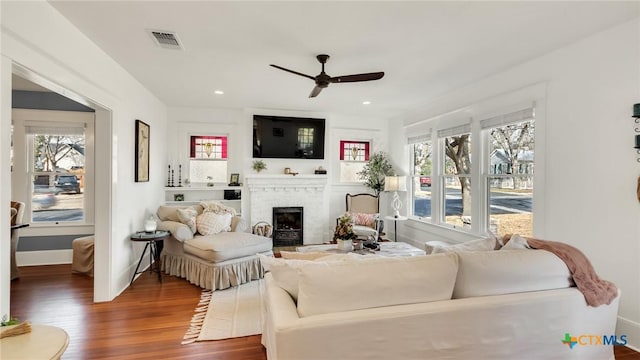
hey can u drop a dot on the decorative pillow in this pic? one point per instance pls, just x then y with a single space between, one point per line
285 271
217 207
486 244
516 242
188 216
364 219
209 223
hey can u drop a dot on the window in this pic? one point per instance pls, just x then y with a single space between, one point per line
495 194
455 175
354 155
421 151
510 176
208 159
57 173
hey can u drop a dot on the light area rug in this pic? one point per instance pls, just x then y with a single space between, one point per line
225 314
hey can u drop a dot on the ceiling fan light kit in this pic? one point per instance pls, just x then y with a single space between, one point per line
323 80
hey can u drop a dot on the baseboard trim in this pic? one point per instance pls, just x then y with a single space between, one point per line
632 330
44 257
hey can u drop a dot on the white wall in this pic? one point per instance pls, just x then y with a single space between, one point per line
590 171
36 38
238 125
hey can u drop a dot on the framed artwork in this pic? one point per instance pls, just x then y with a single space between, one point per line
178 197
142 151
234 180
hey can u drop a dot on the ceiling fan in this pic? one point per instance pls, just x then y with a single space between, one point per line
323 80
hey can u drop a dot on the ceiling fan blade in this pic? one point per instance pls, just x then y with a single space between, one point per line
293 72
316 90
357 77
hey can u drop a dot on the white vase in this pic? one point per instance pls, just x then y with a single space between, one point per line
345 245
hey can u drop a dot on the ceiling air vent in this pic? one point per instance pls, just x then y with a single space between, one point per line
165 39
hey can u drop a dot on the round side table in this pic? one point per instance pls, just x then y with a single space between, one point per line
43 342
151 239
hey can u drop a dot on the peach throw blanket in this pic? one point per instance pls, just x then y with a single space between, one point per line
595 290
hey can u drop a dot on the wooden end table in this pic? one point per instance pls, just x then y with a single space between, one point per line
151 238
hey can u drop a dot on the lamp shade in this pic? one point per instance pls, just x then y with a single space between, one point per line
395 183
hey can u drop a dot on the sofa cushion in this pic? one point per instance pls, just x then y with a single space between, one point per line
209 223
366 231
188 216
226 246
516 242
483 273
486 244
344 286
168 212
178 230
285 271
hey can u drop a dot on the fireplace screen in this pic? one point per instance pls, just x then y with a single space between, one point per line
287 226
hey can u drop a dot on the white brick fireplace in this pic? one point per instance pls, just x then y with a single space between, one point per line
308 191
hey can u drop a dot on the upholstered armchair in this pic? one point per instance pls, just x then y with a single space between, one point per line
365 212
17 212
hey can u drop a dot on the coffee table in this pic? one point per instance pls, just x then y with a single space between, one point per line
386 249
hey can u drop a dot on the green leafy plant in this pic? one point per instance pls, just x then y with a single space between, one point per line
259 165
12 321
375 170
344 229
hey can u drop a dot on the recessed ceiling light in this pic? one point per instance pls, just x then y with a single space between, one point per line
218 92
366 102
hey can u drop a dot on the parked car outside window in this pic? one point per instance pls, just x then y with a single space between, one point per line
67 183
425 182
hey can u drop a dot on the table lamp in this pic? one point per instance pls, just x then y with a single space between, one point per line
395 184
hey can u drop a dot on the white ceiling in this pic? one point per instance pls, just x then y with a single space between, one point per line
426 49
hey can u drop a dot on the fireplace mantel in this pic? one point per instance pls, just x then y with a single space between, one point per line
286 182
279 190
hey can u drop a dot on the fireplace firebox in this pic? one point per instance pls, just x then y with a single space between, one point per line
287 226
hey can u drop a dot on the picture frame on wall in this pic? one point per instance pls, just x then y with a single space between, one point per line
142 151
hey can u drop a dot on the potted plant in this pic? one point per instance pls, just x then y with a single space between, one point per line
344 235
375 170
259 165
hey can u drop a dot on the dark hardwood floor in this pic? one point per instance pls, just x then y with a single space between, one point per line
147 321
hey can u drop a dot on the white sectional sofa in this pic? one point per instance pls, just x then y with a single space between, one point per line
508 304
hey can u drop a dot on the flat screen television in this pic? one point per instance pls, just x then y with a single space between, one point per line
288 137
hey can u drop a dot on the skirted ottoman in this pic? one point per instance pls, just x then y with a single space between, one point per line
212 262
83 248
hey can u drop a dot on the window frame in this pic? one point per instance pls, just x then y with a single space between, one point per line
23 167
367 153
192 153
479 173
